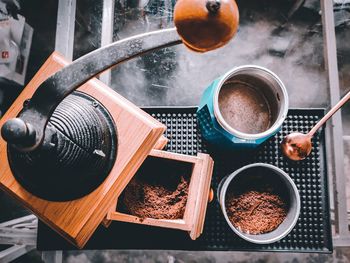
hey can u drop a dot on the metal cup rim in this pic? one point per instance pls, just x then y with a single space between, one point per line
222 195
243 135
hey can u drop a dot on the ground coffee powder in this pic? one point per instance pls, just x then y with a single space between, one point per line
154 200
256 212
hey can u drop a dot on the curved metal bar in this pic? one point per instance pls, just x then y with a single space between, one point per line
50 93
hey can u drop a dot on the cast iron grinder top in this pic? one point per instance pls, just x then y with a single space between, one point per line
61 146
76 155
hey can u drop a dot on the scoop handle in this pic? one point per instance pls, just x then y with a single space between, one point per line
330 114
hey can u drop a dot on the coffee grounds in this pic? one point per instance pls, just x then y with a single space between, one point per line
256 212
147 200
244 108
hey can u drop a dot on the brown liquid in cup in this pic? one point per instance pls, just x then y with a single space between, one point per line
244 108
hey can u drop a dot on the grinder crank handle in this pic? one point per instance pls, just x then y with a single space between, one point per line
202 25
26 132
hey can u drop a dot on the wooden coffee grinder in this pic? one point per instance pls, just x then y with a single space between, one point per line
69 144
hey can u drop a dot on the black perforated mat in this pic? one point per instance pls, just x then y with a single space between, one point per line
311 234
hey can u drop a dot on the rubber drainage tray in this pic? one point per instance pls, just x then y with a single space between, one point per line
311 234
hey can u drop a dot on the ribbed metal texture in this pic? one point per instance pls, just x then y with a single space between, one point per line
76 156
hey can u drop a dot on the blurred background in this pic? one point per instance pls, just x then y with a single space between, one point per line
285 36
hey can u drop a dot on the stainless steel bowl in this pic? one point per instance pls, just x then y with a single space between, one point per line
269 85
262 169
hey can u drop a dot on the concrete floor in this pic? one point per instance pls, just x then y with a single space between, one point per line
291 48
341 255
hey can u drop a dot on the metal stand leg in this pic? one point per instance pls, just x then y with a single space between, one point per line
107 33
335 129
65 28
21 233
14 252
52 256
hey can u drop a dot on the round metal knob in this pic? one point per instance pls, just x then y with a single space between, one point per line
17 132
213 6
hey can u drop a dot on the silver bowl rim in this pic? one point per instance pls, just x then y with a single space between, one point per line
243 135
223 205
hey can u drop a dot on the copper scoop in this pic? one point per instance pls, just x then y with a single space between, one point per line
297 146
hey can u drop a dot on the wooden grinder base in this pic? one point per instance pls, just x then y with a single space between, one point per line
138 133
